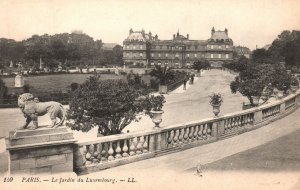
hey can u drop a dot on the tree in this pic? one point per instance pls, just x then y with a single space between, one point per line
164 74
252 80
262 56
110 105
117 54
200 64
3 91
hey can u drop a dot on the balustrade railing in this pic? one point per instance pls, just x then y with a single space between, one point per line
270 112
109 151
290 103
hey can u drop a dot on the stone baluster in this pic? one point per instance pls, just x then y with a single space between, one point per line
111 152
118 150
170 138
195 132
181 134
104 152
176 137
239 121
125 148
139 146
96 153
145 145
186 135
225 126
200 132
204 133
132 147
191 133
88 155
208 131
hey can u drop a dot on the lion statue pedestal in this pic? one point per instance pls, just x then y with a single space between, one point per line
40 149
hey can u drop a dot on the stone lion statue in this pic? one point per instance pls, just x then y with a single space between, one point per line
32 108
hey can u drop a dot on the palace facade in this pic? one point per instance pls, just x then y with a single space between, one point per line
144 49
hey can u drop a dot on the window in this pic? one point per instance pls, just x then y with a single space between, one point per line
196 47
167 47
227 46
167 55
159 55
141 54
133 47
152 54
220 47
160 47
127 47
211 55
188 55
219 55
212 47
188 47
127 54
227 56
141 47
176 55
195 55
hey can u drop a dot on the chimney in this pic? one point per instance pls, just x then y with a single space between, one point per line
156 37
226 31
150 35
212 30
188 36
130 31
173 36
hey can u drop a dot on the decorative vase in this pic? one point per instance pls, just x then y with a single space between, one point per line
216 109
163 89
294 88
157 117
279 94
255 100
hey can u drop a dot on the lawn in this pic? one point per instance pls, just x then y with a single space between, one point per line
54 83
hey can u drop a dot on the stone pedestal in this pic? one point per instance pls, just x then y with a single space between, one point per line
19 81
44 150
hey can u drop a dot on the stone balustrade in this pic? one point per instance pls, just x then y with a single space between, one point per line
105 152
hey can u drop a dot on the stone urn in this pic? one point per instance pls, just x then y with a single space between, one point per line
255 100
157 117
216 109
294 88
279 94
163 89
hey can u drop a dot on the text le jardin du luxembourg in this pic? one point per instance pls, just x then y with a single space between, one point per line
61 180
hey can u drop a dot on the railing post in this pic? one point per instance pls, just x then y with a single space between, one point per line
152 142
157 141
258 117
282 107
221 127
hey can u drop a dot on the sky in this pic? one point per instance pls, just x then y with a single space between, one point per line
249 22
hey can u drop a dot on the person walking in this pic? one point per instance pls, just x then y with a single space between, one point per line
184 83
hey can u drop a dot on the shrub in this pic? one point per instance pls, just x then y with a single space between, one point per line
110 105
215 99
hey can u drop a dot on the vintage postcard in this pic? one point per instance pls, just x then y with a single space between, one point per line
136 94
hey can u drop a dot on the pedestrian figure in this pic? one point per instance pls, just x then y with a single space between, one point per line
184 83
192 78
